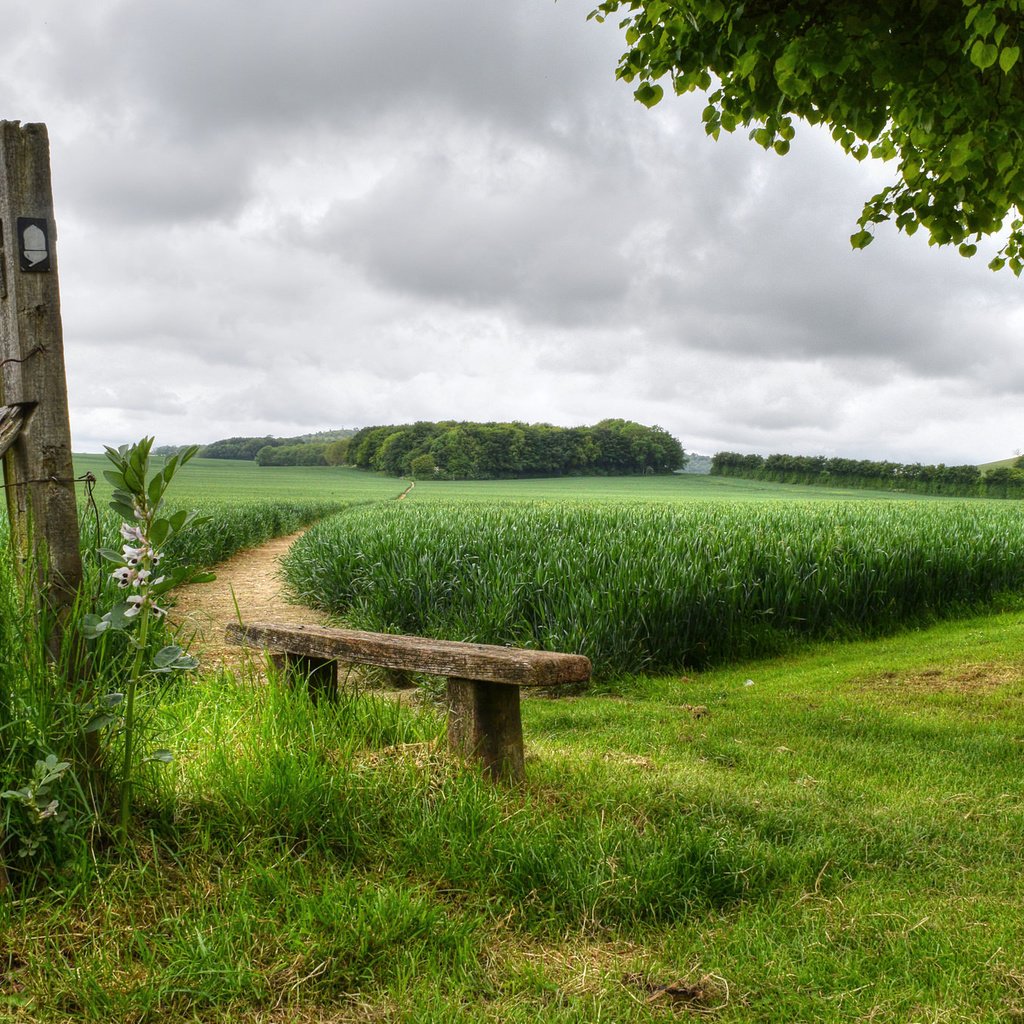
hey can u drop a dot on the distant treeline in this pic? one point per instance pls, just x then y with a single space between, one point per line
699 465
327 448
957 481
487 451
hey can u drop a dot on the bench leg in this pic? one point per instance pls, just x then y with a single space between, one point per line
321 674
485 723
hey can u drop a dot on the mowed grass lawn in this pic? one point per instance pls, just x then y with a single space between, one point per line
830 836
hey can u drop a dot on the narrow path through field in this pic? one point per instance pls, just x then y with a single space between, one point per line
248 583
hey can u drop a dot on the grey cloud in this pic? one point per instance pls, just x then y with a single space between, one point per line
263 65
440 230
136 178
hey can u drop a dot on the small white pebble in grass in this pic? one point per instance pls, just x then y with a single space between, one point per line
748 682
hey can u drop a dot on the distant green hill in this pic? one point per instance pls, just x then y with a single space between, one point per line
1009 463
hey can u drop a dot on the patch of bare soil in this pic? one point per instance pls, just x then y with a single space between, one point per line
708 994
961 679
248 587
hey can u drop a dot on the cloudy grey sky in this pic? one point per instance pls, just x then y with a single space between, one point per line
281 216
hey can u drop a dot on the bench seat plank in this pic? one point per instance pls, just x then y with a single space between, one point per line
485 662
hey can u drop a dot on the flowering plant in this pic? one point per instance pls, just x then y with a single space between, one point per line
138 498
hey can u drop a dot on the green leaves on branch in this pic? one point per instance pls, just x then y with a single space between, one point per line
935 88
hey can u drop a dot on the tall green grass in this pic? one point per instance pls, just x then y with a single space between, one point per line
45 706
643 587
222 530
41 717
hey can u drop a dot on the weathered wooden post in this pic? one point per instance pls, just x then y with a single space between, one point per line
35 433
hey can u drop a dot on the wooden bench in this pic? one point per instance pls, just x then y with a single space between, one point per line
484 720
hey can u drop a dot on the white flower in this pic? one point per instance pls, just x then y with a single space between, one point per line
49 811
123 576
134 555
139 601
132 533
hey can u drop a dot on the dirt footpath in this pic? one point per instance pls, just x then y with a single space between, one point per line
248 583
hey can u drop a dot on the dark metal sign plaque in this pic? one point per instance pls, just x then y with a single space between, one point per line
33 245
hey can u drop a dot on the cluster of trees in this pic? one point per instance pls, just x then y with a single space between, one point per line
311 454
1005 481
485 451
962 481
327 448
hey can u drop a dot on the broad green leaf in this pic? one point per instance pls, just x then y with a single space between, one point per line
179 519
1008 57
94 626
101 721
714 10
133 478
746 63
159 532
861 239
155 490
649 94
984 55
984 22
117 618
167 656
123 510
